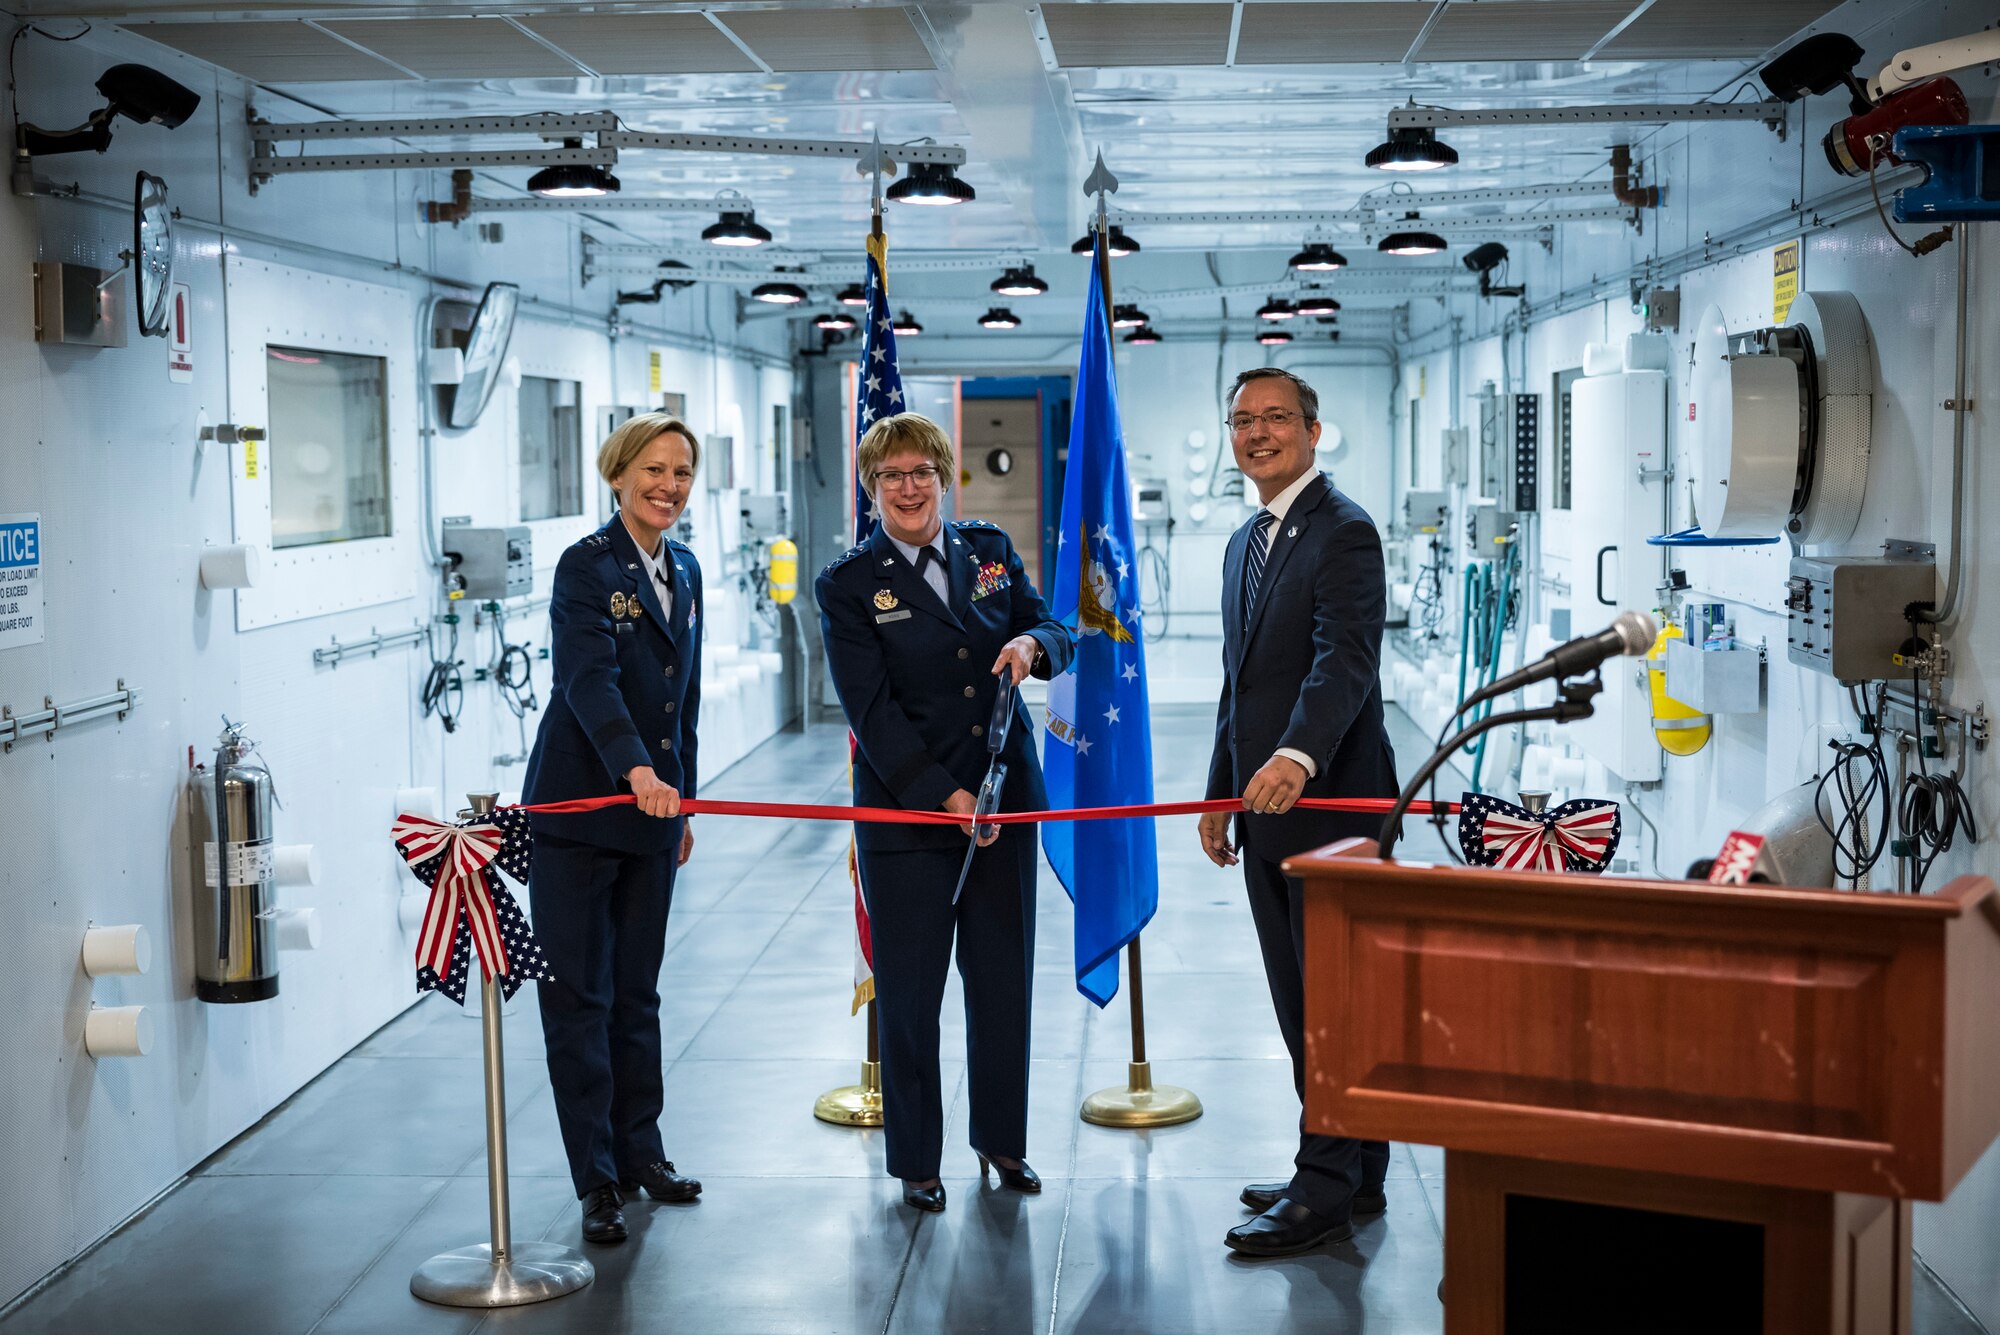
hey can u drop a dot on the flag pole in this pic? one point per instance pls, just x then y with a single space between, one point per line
1138 1104
861 1104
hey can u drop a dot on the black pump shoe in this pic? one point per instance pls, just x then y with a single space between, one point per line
1018 1178
928 1199
603 1221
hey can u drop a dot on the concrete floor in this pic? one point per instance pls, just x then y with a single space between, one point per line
314 1219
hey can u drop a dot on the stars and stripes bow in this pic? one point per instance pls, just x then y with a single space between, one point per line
1577 836
469 905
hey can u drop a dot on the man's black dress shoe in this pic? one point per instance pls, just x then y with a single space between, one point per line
662 1183
1286 1229
1261 1196
1019 1178
603 1221
928 1199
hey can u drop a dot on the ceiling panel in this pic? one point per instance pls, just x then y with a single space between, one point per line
642 43
1090 36
473 48
1357 32
1696 28
1523 29
794 40
284 52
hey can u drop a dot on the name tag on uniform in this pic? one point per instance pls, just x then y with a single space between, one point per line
900 614
624 627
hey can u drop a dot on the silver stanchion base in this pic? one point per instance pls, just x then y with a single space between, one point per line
535 1272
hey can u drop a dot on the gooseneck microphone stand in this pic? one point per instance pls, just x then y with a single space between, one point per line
1573 704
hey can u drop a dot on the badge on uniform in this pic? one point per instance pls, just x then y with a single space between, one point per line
884 599
991 579
618 604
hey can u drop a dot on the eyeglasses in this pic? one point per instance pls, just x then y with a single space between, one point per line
1277 419
924 477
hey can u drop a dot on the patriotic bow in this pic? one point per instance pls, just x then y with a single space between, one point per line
469 904
1577 836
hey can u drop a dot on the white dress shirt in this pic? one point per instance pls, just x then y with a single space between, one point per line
663 583
1278 505
933 573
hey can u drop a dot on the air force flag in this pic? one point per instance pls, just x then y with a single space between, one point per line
1099 750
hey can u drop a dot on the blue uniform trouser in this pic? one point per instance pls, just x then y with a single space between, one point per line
601 917
1327 1170
911 922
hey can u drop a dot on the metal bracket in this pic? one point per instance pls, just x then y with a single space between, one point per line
52 717
333 653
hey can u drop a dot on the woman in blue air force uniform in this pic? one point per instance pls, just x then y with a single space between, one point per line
919 622
625 615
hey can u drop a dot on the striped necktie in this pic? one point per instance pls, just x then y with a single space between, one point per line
1253 566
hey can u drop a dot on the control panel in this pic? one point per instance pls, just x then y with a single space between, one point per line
1847 613
489 563
1510 436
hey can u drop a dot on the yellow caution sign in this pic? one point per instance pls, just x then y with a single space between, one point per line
784 570
1680 730
1784 280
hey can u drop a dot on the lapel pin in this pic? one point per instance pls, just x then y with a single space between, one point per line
618 604
884 599
1292 532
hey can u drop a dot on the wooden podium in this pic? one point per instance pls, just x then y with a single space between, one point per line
1665 1105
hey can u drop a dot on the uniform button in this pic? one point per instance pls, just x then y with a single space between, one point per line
670 706
665 745
964 653
978 730
670 672
968 692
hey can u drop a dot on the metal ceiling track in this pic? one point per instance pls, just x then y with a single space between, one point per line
604 127
1654 113
1374 208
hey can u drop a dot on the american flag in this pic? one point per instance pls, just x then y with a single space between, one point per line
1577 836
525 960
878 393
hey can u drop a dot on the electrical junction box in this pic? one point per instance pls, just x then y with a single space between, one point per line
1847 612
1715 681
1149 501
1457 444
491 562
1425 510
764 512
1510 440
1492 527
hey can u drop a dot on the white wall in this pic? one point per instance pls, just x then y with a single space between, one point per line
103 446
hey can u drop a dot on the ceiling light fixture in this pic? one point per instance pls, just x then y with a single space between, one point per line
572 180
1411 242
779 294
930 183
999 317
1273 337
738 228
1318 257
852 295
906 326
1143 337
1119 244
1020 282
1316 303
1277 308
1128 317
837 322
1412 149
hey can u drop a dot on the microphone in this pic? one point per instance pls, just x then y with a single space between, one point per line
1632 634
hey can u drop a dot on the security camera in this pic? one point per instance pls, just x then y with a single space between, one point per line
1483 260
136 92
1909 90
1819 64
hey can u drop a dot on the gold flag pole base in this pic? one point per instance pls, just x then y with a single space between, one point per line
1141 1104
854 1105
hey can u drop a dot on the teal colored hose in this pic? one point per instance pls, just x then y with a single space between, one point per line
1507 571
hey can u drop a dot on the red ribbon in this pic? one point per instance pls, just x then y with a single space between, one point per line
705 806
461 887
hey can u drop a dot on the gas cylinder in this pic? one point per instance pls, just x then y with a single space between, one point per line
784 570
234 874
1681 731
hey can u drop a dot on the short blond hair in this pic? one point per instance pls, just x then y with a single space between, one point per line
625 444
905 431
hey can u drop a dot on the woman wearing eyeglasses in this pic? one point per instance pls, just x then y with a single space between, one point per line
920 621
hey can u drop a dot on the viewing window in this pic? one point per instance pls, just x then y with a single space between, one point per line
551 448
328 452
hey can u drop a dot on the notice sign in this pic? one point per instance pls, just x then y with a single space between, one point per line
1784 280
20 580
180 335
653 370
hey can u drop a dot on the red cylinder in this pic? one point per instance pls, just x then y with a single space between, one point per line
1932 102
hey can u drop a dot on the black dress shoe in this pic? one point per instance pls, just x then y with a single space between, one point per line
1261 1196
1286 1229
1018 1178
603 1221
662 1183
928 1199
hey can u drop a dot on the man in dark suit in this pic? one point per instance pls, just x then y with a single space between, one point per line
1303 597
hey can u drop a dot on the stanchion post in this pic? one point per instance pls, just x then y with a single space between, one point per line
857 1105
1139 1103
498 1273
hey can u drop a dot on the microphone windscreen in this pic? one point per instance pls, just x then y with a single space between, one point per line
1637 630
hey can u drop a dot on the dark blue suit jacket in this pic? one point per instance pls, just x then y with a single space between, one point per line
1304 673
915 676
627 689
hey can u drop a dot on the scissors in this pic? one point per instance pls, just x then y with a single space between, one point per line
996 774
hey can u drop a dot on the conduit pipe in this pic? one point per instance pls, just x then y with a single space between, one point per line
1960 409
460 207
1622 189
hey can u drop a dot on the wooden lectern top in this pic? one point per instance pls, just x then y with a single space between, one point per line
1821 1039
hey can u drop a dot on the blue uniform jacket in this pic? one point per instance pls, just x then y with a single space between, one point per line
1305 673
915 675
627 689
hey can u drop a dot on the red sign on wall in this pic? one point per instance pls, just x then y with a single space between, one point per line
180 335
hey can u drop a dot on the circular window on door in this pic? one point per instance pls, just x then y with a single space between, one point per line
999 461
